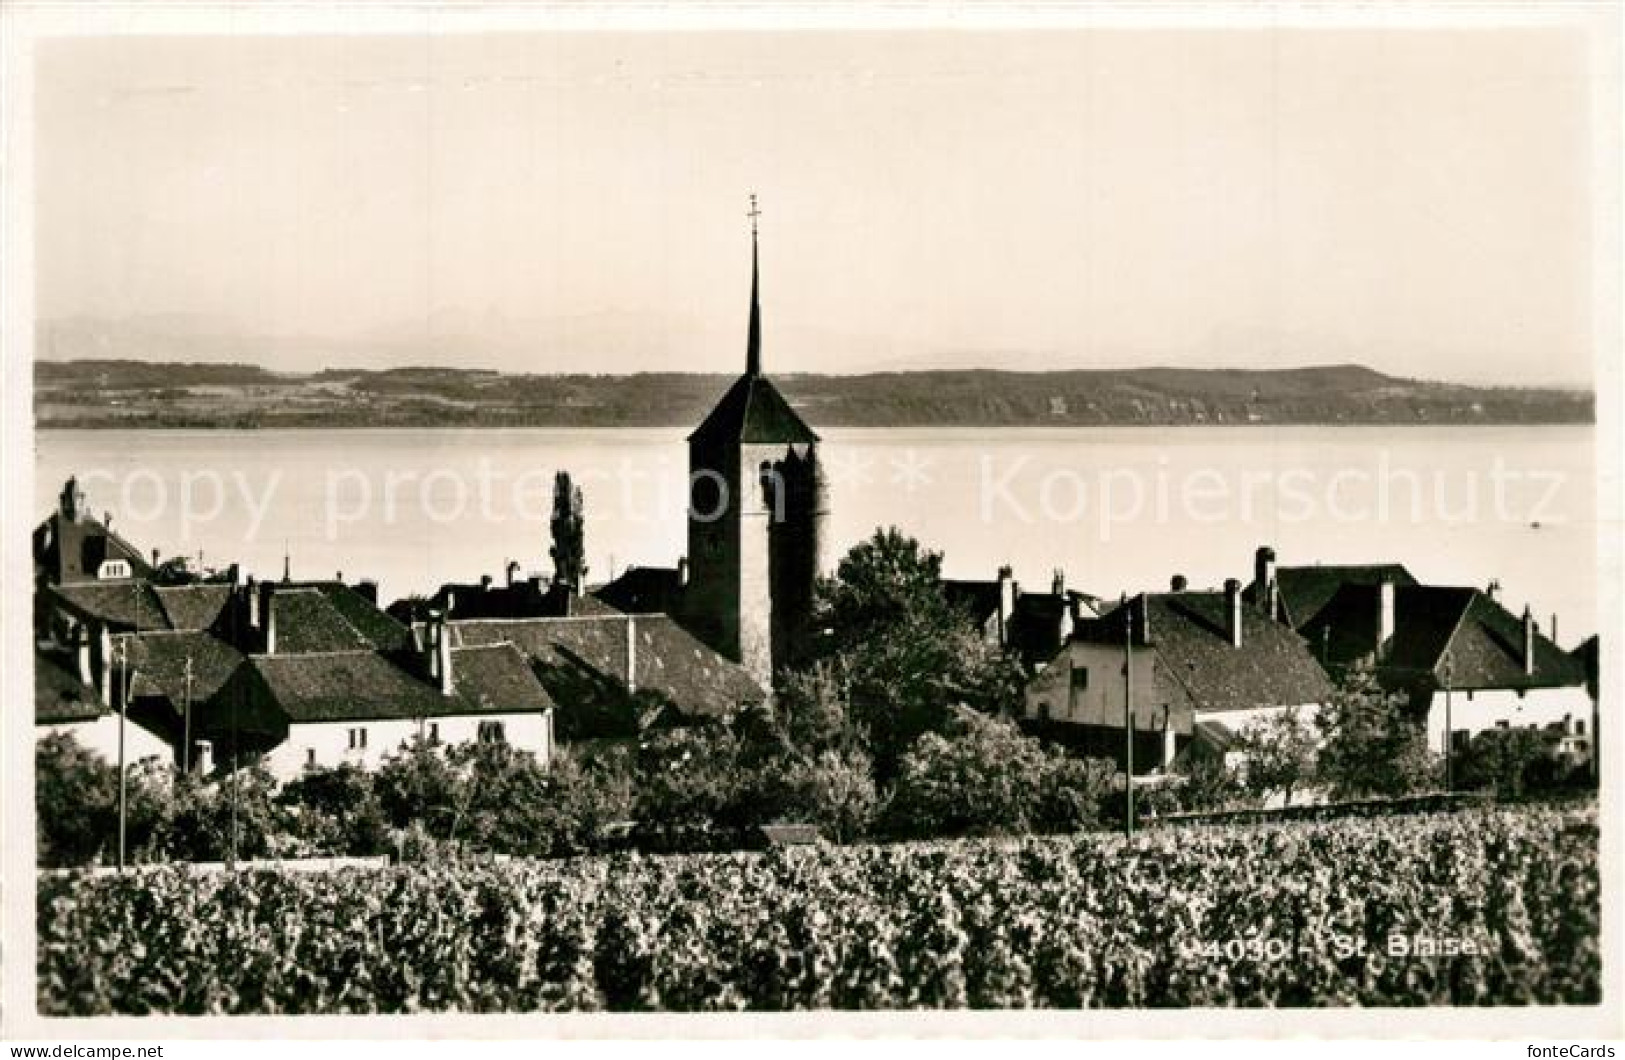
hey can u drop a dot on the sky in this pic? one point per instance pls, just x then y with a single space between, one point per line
1420 201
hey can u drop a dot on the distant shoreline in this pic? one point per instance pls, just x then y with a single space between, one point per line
139 395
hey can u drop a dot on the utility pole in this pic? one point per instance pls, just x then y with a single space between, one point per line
1449 731
123 678
1128 722
186 721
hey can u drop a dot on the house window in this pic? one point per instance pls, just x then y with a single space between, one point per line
1458 739
1579 727
1043 712
358 739
1080 678
434 732
310 756
491 732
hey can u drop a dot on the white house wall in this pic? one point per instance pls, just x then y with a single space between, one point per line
328 744
101 736
1571 708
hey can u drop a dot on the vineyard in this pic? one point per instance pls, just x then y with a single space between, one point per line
1480 907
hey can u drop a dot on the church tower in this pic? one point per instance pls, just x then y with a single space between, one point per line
757 506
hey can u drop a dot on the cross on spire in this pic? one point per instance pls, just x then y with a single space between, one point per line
753 213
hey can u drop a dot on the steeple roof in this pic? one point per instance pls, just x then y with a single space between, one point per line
753 410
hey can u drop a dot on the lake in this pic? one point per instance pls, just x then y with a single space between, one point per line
1117 508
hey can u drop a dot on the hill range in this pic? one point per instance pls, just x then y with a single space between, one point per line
151 394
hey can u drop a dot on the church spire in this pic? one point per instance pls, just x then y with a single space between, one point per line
753 349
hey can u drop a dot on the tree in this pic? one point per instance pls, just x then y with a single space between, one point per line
1280 755
1507 761
337 811
983 777
1371 744
75 795
417 783
585 794
569 551
216 818
902 654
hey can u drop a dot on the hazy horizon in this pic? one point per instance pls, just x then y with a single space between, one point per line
1417 202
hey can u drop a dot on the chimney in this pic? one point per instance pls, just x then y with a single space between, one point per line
631 654
512 572
234 574
440 652
1385 618
338 576
367 588
1528 641
1007 601
1178 583
104 646
1493 589
1232 611
107 522
1058 585
81 651
1264 581
251 594
485 581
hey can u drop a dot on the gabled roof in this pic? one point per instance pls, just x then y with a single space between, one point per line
160 662
1482 641
194 606
93 541
364 685
1305 590
1273 666
60 698
587 657
376 628
307 621
127 603
643 591
753 410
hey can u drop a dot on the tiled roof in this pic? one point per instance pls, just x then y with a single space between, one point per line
60 698
128 604
586 659
753 410
160 662
643 591
526 599
1305 590
194 606
307 621
376 628
493 677
1272 667
364 685
1483 640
